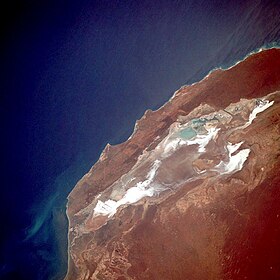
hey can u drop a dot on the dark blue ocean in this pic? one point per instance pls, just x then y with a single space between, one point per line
76 75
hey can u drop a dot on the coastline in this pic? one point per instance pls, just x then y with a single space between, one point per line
175 94
256 51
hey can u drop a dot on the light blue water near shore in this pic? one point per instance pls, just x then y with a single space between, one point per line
78 76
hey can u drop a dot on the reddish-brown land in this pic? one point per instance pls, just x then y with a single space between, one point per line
194 193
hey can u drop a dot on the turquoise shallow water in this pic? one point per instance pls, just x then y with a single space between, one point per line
187 133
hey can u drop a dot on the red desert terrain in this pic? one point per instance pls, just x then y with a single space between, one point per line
194 193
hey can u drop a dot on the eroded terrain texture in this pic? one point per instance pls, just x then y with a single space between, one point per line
194 192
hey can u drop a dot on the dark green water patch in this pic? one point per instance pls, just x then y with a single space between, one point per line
199 122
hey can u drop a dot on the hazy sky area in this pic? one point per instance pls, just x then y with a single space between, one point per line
76 75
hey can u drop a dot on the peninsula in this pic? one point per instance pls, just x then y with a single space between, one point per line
194 192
